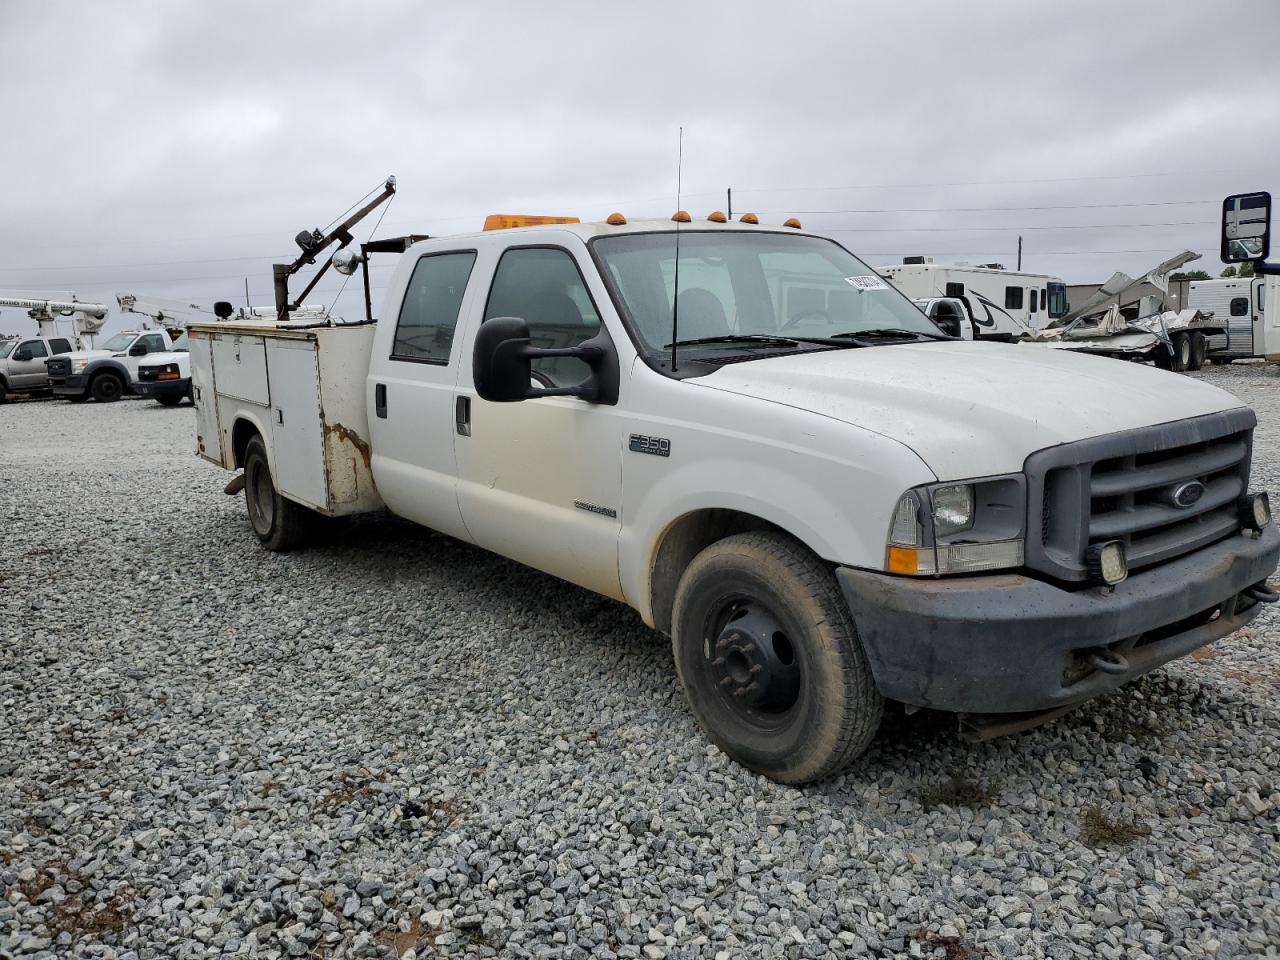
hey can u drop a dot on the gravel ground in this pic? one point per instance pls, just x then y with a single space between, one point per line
395 743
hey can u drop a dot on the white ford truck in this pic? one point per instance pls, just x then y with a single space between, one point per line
821 498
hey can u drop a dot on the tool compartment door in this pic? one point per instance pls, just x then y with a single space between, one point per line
240 365
203 394
297 425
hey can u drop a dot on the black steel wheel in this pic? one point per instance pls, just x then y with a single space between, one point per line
106 388
1199 350
770 660
278 522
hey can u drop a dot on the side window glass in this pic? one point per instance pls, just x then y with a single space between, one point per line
36 348
429 314
1261 290
543 287
1239 306
60 345
1034 295
955 290
1013 298
153 342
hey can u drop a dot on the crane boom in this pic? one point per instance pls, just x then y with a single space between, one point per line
45 311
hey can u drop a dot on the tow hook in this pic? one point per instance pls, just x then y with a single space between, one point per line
235 486
1106 661
1262 593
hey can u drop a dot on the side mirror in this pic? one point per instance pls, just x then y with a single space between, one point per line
138 350
502 364
948 325
1246 227
21 354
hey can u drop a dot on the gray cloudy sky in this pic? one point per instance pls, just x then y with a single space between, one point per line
173 149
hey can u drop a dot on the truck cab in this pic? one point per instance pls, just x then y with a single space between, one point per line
22 364
746 434
108 373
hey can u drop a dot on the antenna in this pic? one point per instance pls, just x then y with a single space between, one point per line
675 290
247 304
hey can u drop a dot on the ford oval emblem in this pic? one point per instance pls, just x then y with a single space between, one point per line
1187 494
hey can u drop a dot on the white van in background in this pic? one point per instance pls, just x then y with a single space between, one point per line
1239 300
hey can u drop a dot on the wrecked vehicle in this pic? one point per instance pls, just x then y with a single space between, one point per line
745 434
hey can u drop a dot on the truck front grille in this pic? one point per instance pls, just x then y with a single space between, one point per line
1123 486
59 367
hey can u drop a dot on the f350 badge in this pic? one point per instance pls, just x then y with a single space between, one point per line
656 446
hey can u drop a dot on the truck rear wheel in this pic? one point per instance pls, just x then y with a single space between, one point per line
279 523
770 660
1199 350
106 388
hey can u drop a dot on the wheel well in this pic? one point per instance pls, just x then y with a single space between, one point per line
684 540
108 372
241 434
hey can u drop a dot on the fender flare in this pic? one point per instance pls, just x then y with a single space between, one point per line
108 364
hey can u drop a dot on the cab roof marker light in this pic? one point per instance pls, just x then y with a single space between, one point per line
681 216
717 216
748 218
616 220
791 222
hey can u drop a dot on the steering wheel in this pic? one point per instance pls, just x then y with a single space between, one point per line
796 320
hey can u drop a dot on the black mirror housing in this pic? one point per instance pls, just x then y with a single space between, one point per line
502 364
1246 227
138 350
21 355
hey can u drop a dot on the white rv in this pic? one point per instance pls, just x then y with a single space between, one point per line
1239 300
1001 304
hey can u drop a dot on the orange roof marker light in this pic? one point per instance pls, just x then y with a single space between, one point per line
749 218
793 223
681 216
616 220
717 217
508 221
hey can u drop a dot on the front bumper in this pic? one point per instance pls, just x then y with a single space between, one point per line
73 385
1011 644
163 388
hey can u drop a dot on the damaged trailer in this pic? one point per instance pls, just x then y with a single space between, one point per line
1171 339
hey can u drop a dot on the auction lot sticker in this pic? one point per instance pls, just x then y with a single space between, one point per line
866 283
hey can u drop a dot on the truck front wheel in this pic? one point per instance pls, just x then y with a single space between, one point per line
279 523
770 660
106 388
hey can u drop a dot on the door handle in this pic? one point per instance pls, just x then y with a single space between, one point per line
380 400
462 416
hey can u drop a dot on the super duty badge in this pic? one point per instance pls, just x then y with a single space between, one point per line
658 446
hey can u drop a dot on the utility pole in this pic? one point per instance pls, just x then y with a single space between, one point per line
729 195
1019 254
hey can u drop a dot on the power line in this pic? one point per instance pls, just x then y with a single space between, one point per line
993 183
1061 206
1015 228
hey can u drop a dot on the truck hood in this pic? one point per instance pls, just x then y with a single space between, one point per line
974 409
160 359
90 354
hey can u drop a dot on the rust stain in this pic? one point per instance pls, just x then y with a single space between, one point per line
353 438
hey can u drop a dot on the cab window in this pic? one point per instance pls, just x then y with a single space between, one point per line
35 349
153 342
429 314
60 345
543 286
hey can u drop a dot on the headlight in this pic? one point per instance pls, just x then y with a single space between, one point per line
952 508
77 366
959 527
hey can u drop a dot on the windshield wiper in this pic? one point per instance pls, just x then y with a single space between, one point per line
893 332
760 338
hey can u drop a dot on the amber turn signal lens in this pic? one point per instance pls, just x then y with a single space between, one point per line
903 560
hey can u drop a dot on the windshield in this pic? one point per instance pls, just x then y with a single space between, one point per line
750 284
7 348
180 345
1057 299
119 341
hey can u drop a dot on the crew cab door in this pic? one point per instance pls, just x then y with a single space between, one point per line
26 365
540 480
410 392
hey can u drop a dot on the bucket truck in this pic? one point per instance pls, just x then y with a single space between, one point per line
22 359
